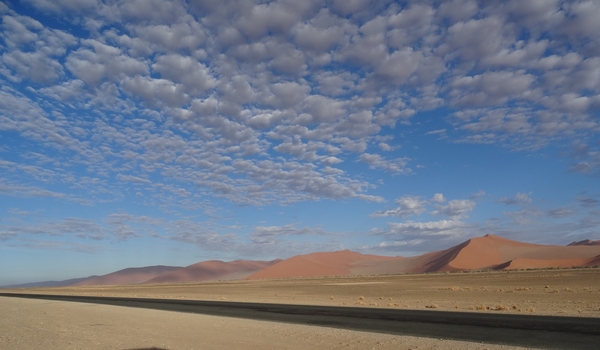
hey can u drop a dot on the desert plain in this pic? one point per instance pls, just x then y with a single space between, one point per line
558 292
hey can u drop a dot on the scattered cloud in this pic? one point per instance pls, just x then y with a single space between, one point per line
438 198
407 206
455 209
519 199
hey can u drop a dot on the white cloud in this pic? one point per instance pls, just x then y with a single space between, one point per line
407 206
375 161
431 228
438 198
455 208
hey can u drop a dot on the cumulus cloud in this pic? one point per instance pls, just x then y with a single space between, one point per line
431 228
269 234
375 161
407 206
438 198
455 208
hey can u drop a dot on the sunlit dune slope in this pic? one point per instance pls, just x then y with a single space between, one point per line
320 264
213 270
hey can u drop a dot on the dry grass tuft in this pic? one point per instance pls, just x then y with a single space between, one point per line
361 298
500 307
455 288
431 306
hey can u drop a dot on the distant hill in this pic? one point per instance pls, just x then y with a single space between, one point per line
127 276
213 270
49 283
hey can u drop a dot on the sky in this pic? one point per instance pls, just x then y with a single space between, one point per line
157 132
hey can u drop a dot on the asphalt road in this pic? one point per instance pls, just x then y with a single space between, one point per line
498 328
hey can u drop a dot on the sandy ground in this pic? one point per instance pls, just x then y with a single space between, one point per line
540 292
42 324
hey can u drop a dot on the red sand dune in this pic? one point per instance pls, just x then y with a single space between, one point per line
213 270
493 252
488 252
319 264
128 276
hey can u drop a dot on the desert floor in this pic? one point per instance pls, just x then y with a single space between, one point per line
37 324
54 325
568 292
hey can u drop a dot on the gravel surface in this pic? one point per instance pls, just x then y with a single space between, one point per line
40 324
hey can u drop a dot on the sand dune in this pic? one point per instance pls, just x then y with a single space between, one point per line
320 264
213 270
493 252
127 276
487 252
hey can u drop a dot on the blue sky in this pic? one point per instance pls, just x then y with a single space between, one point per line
147 132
